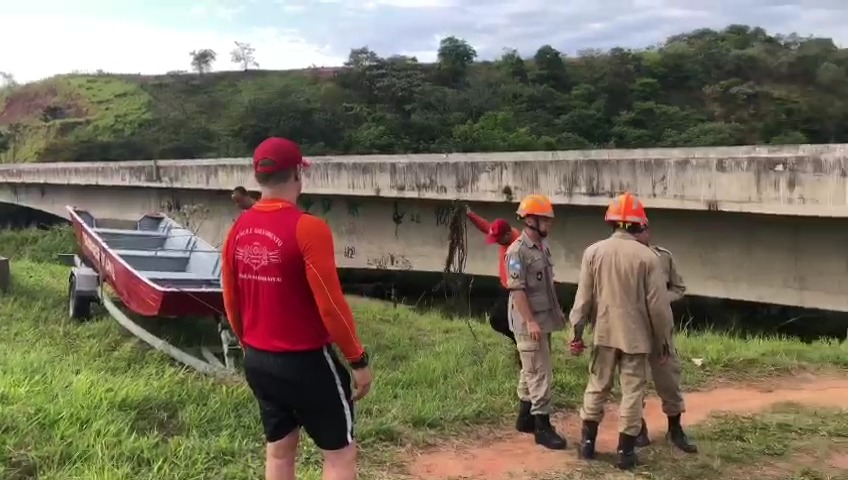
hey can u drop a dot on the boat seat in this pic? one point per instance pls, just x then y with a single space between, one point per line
155 275
153 253
121 231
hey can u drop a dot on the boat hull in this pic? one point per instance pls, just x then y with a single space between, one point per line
138 293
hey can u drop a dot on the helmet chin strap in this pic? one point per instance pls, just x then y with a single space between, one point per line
534 225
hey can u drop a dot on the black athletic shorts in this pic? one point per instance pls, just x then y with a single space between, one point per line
308 389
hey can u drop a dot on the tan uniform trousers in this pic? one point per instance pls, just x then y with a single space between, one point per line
667 382
537 374
633 376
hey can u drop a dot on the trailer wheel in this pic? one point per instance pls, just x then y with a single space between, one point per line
79 307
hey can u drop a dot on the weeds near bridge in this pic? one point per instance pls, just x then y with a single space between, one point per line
456 284
191 215
458 240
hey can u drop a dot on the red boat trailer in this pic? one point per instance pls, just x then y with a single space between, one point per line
158 269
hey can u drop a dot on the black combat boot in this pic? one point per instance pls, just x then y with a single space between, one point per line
678 437
525 423
642 440
545 434
588 434
627 458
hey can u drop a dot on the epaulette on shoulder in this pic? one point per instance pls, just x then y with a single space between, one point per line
658 249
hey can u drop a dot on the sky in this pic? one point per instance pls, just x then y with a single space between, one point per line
41 38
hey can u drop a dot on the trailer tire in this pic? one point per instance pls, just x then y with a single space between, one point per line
79 307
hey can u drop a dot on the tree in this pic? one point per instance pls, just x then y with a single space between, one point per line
513 66
550 68
455 55
243 55
732 86
362 57
7 81
5 141
202 60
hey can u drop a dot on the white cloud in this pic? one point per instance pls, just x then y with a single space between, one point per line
322 32
215 10
65 44
393 26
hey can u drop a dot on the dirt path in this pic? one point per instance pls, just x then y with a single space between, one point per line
514 455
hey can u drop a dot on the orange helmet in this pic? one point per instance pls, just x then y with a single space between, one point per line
535 204
626 208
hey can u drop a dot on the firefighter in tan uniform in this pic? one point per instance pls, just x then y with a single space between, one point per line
623 287
534 312
667 375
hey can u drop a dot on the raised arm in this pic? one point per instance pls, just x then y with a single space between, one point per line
316 243
478 221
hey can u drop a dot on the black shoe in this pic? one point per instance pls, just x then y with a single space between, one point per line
627 458
588 435
678 437
525 422
642 440
545 434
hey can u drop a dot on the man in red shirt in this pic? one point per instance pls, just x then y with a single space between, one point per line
242 198
501 233
285 304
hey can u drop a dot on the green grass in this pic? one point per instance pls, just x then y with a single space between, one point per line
37 245
88 401
115 108
122 107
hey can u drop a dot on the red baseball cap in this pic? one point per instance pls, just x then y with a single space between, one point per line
497 229
283 152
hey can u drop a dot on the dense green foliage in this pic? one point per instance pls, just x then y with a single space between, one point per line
730 87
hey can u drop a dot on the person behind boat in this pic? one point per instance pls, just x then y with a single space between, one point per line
285 304
498 232
667 376
534 313
242 198
623 287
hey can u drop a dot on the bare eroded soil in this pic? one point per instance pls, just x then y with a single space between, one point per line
512 455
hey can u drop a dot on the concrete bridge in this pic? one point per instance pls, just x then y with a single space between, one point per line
764 224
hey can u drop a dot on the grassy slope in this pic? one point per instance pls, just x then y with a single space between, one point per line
96 107
112 107
86 401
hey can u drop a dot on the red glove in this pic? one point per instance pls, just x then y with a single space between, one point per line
577 347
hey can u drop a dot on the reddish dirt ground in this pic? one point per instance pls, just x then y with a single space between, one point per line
514 455
839 461
28 102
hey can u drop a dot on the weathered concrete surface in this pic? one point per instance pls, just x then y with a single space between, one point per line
787 260
804 180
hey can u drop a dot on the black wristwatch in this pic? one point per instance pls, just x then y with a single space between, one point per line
361 362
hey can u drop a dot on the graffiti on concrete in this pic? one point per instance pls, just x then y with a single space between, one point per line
305 204
352 208
397 216
348 229
349 251
443 216
390 261
326 205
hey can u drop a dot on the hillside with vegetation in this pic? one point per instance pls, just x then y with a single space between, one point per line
740 85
